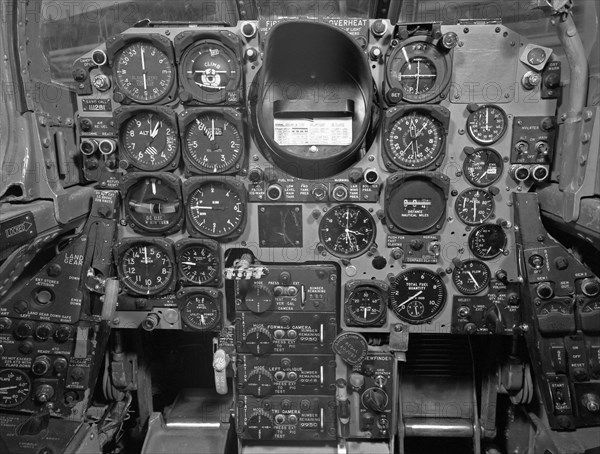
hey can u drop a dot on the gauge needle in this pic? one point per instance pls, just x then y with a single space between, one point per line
155 130
410 299
145 82
143 60
483 175
365 311
473 278
198 207
146 254
153 187
202 319
474 209
487 118
213 130
418 77
189 263
406 57
7 388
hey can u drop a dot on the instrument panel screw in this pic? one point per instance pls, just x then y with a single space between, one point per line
398 328
497 30
541 238
587 115
461 132
466 30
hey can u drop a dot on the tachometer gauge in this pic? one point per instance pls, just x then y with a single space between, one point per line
471 277
153 202
215 208
483 167
213 142
474 206
149 138
210 71
487 124
145 267
366 306
143 72
347 231
15 387
417 295
198 261
201 311
414 141
487 241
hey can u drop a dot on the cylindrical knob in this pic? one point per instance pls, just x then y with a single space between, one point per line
43 331
591 402
531 80
40 365
259 383
375 399
544 290
378 28
260 427
319 192
44 392
449 40
5 323
23 330
151 322
259 341
60 365
340 192
63 333
259 299
590 286
255 175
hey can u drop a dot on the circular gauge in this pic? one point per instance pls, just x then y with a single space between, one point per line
536 56
145 268
15 387
153 204
143 72
199 264
474 206
209 71
347 231
419 69
149 140
366 307
417 295
558 307
487 241
216 209
483 167
471 277
212 143
415 141
487 124
201 312
415 205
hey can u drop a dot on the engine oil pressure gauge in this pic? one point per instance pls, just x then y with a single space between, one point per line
487 124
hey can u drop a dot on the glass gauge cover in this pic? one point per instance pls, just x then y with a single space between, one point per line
143 72
487 241
415 141
212 143
198 263
15 387
487 124
483 167
366 306
347 231
201 312
417 295
149 140
471 277
210 71
474 206
153 203
145 268
216 209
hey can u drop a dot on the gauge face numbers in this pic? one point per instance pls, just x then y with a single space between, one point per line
15 387
154 205
199 264
201 312
347 231
474 206
487 241
149 141
212 143
471 277
487 124
413 69
417 295
210 70
143 72
483 167
145 269
216 209
366 306
415 141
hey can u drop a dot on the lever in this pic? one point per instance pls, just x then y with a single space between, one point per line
220 362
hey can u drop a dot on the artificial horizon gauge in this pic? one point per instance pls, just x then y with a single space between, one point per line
201 311
417 295
15 387
212 143
474 206
487 124
366 306
209 71
145 267
347 231
487 241
471 277
483 167
215 208
143 72
149 140
198 261
415 141
153 202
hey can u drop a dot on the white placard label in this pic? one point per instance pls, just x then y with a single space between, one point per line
319 131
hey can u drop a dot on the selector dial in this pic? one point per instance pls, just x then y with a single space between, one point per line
375 399
259 341
260 427
259 298
259 383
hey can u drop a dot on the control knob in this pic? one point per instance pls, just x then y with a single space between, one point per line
590 287
259 383
44 392
259 298
259 341
260 427
375 400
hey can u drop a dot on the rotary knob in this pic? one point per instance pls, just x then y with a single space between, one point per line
259 298
63 333
590 287
260 427
43 331
259 341
259 383
375 400
44 392
41 365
